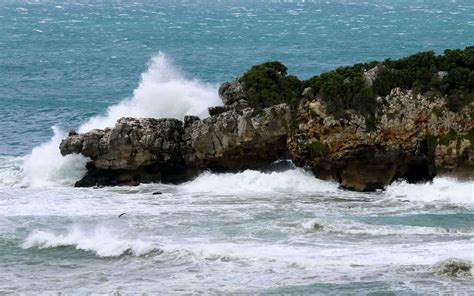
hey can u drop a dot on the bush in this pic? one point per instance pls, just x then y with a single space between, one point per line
268 84
345 89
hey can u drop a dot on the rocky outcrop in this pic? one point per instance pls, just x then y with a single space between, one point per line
238 139
411 137
141 150
134 151
415 137
233 96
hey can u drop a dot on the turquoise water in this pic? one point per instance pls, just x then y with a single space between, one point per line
82 65
61 63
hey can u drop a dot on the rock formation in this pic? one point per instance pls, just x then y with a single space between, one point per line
141 150
238 139
135 150
415 137
401 135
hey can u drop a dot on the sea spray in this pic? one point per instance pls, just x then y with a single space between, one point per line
441 189
163 92
45 166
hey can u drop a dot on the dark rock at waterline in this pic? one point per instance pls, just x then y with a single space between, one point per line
280 166
157 193
134 151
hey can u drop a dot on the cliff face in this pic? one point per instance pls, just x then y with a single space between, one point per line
415 137
343 128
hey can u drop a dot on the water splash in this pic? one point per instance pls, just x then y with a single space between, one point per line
442 189
163 92
45 166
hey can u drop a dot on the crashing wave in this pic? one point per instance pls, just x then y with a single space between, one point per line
163 92
101 242
250 181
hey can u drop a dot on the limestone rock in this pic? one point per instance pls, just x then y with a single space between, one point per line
236 140
232 92
409 141
135 150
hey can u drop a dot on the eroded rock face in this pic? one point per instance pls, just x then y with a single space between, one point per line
411 141
141 150
232 92
135 150
415 137
238 139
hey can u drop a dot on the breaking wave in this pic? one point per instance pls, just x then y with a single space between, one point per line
250 181
163 92
442 189
101 242
45 166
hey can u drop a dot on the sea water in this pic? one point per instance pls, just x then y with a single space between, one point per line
84 64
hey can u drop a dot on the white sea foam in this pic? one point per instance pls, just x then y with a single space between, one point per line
101 241
45 166
163 92
442 189
10 170
340 256
251 181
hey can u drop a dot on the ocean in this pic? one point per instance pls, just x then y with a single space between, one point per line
79 65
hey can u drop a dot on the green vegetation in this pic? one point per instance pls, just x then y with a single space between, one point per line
319 147
470 137
450 74
446 139
432 142
268 84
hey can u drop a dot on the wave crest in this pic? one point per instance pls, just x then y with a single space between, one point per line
250 181
442 189
101 242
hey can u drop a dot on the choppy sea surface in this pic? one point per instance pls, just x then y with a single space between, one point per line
83 64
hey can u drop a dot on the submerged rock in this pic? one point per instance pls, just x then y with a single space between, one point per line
454 268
